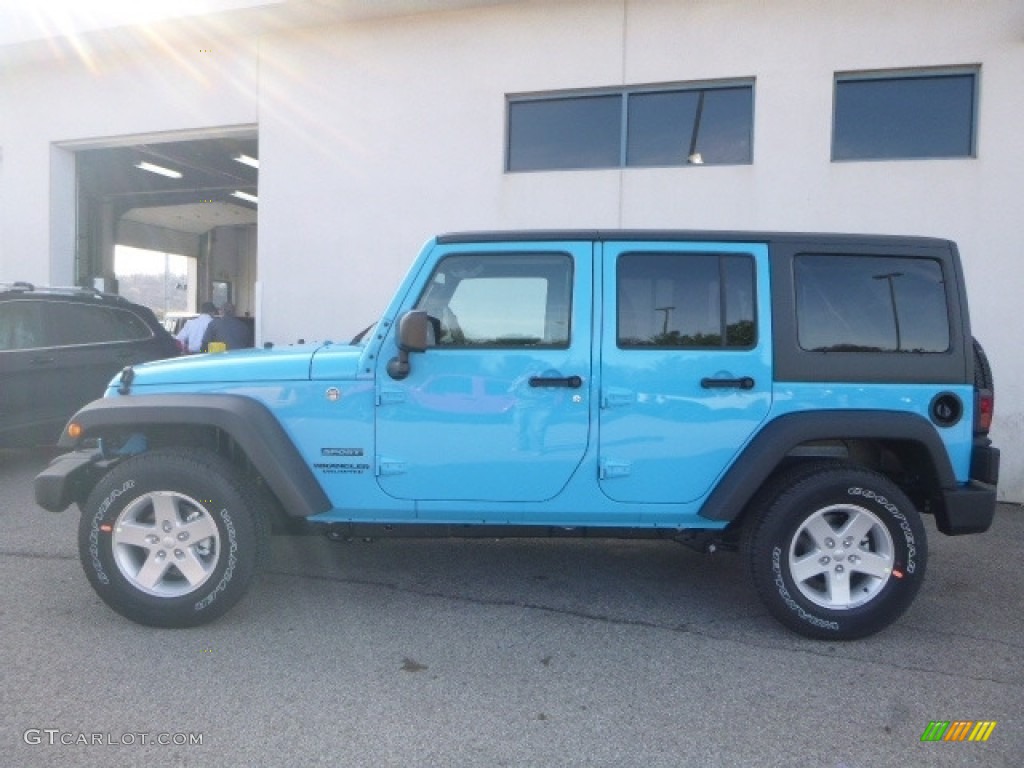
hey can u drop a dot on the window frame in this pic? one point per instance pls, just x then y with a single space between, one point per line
624 94
920 73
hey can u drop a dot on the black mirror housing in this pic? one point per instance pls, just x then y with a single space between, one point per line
413 336
414 331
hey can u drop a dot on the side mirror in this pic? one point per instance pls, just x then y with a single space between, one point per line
413 336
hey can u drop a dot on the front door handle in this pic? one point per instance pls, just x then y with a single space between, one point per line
571 382
744 382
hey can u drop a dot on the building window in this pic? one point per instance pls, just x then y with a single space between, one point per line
904 116
556 134
710 126
871 304
669 126
685 301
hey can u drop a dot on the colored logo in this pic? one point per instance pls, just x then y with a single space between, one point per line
958 730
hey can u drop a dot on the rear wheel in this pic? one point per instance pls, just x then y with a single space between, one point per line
172 538
837 552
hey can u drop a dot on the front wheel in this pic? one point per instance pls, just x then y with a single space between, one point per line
171 538
837 552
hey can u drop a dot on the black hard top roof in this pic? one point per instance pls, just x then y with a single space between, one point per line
684 235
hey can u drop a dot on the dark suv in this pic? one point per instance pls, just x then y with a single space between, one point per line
58 349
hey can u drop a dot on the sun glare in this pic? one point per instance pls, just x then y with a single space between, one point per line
94 13
46 18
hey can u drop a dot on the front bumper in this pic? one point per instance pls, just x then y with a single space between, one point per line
68 479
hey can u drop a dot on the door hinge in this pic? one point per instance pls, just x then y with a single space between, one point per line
386 466
612 468
615 397
390 396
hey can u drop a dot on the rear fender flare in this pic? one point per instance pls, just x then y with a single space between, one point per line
775 441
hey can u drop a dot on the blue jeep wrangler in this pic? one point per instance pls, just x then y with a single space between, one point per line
802 398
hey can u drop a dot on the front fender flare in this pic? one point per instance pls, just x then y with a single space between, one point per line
249 423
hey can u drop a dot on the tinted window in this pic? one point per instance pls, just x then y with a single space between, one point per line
709 126
20 325
127 326
871 304
685 300
677 126
74 323
500 300
904 117
580 132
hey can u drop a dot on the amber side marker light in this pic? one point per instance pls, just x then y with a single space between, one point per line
75 430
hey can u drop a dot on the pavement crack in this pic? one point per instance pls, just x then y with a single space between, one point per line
826 650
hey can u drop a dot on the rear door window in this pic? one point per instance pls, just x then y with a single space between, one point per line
685 301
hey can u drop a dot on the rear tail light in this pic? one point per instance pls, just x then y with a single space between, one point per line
985 403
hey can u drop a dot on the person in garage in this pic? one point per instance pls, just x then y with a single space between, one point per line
190 337
227 330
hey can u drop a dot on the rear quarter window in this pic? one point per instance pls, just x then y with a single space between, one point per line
21 325
870 304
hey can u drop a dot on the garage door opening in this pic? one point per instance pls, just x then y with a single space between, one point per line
194 198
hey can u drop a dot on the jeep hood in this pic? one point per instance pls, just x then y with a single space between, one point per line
246 365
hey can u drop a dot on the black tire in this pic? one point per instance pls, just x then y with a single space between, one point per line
824 584
172 538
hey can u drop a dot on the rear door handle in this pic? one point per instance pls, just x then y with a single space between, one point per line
744 382
41 361
571 382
